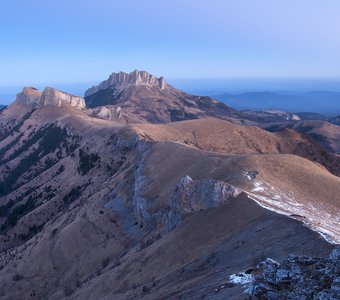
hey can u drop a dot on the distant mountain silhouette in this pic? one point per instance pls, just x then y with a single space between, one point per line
322 102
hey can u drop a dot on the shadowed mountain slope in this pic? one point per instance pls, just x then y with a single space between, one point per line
324 133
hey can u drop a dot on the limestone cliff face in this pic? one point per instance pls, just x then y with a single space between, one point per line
55 97
122 81
195 195
29 95
110 113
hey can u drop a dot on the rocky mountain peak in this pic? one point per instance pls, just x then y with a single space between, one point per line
143 97
51 96
29 95
122 81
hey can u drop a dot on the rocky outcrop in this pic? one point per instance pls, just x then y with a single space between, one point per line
140 202
51 96
110 112
29 95
121 81
298 277
195 195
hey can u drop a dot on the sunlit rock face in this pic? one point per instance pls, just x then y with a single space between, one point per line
195 195
29 95
122 81
110 112
55 97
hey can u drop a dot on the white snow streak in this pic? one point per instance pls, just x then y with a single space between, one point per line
317 219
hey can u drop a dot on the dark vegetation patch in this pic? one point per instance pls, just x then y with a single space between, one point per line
49 139
17 212
4 149
180 115
49 192
61 169
103 97
5 132
32 231
72 195
4 209
274 128
87 161
114 165
13 213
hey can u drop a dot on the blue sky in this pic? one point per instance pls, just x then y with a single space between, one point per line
83 41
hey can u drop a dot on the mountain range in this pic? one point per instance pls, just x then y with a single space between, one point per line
322 102
141 191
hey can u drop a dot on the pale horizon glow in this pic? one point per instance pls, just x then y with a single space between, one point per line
83 41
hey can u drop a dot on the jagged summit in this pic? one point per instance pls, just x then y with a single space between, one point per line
141 97
122 80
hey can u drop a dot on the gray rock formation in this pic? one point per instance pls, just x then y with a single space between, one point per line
29 95
122 81
106 112
298 277
195 195
140 202
335 254
51 96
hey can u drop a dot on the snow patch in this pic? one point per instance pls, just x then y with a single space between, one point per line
314 216
258 187
241 278
244 279
324 227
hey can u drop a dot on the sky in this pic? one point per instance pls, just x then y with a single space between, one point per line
82 41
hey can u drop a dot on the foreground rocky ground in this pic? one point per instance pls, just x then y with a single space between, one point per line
298 277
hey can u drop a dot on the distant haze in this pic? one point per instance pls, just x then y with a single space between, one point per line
242 85
204 47
293 95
